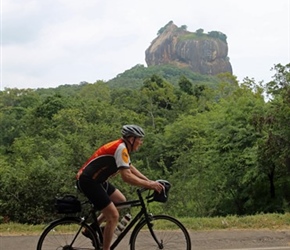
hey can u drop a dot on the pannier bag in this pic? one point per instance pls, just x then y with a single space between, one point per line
67 204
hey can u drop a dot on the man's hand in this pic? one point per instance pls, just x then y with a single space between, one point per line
156 186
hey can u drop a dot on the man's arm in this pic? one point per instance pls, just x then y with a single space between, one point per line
136 172
131 178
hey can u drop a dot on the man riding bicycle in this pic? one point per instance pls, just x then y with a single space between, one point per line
110 159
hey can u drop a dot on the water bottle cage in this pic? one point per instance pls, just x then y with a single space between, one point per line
121 227
123 223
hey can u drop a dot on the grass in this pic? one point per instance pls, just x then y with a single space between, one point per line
261 221
20 229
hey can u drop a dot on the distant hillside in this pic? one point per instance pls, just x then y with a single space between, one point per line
134 77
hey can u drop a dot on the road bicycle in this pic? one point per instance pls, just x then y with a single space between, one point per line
148 231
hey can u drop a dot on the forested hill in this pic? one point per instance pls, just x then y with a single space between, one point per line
224 149
134 77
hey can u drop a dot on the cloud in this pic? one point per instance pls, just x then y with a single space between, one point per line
53 42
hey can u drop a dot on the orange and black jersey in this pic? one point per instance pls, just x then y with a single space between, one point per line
106 161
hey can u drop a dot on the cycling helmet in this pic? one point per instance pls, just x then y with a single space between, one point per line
163 195
132 130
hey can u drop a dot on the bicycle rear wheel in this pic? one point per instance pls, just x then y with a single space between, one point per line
66 234
169 233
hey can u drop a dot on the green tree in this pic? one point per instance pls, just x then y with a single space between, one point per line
158 98
199 32
185 85
274 146
50 106
183 27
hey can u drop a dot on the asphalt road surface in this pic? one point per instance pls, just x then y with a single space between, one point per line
201 240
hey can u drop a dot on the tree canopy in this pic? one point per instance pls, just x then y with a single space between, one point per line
221 145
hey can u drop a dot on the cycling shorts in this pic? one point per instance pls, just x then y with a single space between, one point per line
98 193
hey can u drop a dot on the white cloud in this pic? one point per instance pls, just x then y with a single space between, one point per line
53 42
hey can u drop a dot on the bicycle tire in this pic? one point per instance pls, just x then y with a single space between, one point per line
60 233
169 232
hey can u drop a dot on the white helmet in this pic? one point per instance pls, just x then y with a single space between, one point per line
132 130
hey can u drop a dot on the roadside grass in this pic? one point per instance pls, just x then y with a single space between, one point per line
20 229
260 221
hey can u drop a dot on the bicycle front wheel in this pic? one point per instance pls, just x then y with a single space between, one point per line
164 232
66 234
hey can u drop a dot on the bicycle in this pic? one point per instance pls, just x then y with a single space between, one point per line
150 231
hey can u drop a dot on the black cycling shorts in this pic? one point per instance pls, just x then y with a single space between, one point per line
98 193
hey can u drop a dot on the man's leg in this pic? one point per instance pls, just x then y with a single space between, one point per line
115 197
111 215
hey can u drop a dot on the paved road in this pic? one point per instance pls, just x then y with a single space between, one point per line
205 240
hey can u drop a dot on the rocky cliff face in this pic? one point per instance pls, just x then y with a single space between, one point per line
201 54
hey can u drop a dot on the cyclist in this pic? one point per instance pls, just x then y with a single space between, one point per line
109 159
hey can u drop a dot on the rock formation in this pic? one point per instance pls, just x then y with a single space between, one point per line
201 53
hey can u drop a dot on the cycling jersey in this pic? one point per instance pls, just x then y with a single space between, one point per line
106 161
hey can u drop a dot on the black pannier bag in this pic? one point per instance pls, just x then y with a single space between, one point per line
67 204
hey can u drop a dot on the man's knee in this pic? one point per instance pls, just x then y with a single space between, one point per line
111 213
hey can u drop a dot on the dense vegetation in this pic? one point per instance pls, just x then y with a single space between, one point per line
222 146
197 34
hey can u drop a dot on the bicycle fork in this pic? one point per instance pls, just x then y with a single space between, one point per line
150 226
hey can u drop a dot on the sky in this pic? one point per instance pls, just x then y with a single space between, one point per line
54 42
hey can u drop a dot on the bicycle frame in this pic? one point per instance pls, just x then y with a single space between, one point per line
143 229
137 219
